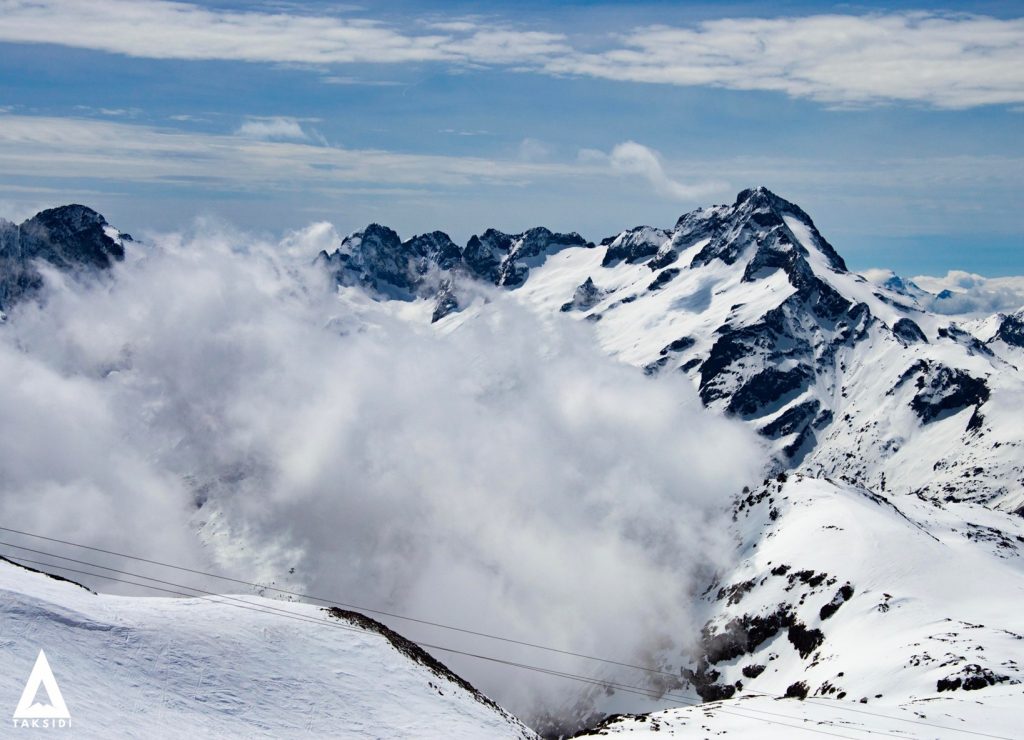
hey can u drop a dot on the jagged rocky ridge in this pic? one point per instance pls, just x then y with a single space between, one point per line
841 377
71 238
430 265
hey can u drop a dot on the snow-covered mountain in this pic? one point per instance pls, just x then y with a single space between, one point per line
878 567
883 614
842 375
240 666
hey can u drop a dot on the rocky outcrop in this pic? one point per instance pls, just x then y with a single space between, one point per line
72 238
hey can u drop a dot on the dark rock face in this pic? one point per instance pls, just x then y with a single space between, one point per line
586 296
756 218
909 332
635 245
844 594
793 420
797 690
742 636
506 259
446 302
71 238
974 345
664 278
485 254
970 678
1011 330
942 391
678 345
378 259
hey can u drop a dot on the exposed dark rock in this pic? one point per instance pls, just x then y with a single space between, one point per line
753 670
678 345
1011 330
633 246
756 218
44 573
586 296
446 301
842 596
974 345
804 639
970 678
797 690
909 332
744 634
943 391
664 278
71 238
653 368
765 389
735 592
793 420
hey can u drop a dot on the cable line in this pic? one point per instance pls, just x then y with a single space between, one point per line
745 713
838 706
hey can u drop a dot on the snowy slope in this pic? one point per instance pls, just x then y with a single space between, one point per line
162 667
843 376
944 716
860 606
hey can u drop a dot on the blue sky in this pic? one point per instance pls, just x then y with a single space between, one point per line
898 127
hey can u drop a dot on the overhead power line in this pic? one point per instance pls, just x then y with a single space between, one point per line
830 705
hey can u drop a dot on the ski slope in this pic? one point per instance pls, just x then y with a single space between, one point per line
139 667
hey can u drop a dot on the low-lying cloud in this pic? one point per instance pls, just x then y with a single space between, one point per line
967 294
217 403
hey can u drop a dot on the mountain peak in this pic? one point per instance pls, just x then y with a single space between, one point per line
71 237
773 226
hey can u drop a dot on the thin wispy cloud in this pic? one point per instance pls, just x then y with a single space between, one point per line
945 61
632 159
157 29
273 129
261 153
940 60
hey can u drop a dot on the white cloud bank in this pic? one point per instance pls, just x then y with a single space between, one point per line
505 476
942 60
945 61
964 293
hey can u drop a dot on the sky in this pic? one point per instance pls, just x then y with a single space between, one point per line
897 126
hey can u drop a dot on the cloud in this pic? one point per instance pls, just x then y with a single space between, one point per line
358 81
940 60
503 475
272 129
157 29
631 158
945 61
263 159
533 150
960 293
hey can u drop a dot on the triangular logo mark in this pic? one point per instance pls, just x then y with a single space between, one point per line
28 708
